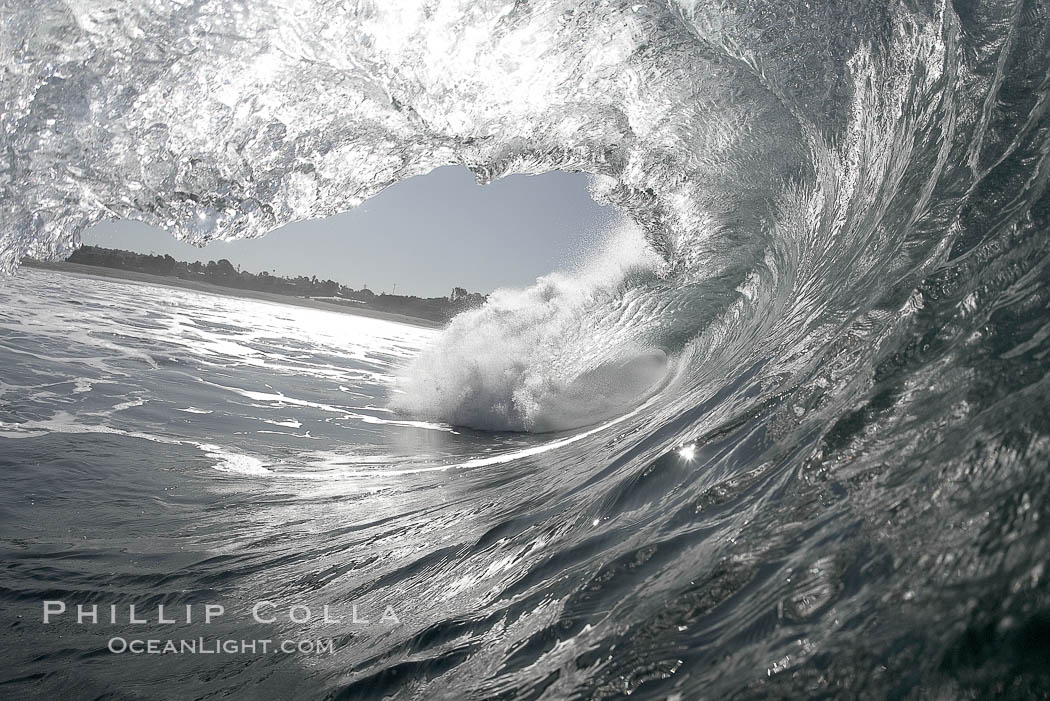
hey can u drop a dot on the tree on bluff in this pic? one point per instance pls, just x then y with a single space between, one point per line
223 273
222 268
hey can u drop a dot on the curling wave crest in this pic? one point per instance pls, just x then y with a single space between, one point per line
830 291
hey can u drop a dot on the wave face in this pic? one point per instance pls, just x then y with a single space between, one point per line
839 312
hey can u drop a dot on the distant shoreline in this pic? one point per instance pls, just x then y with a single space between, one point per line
218 290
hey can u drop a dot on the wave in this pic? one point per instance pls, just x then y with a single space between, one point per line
572 350
835 237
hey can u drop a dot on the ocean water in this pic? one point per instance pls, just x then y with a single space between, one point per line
166 447
785 433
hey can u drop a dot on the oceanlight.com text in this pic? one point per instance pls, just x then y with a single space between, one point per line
203 646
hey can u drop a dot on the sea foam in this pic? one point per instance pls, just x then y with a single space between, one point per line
540 359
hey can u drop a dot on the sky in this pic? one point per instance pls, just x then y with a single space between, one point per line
425 235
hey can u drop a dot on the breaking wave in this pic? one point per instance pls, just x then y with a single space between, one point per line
572 350
834 255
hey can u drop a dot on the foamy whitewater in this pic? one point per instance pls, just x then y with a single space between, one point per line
785 434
